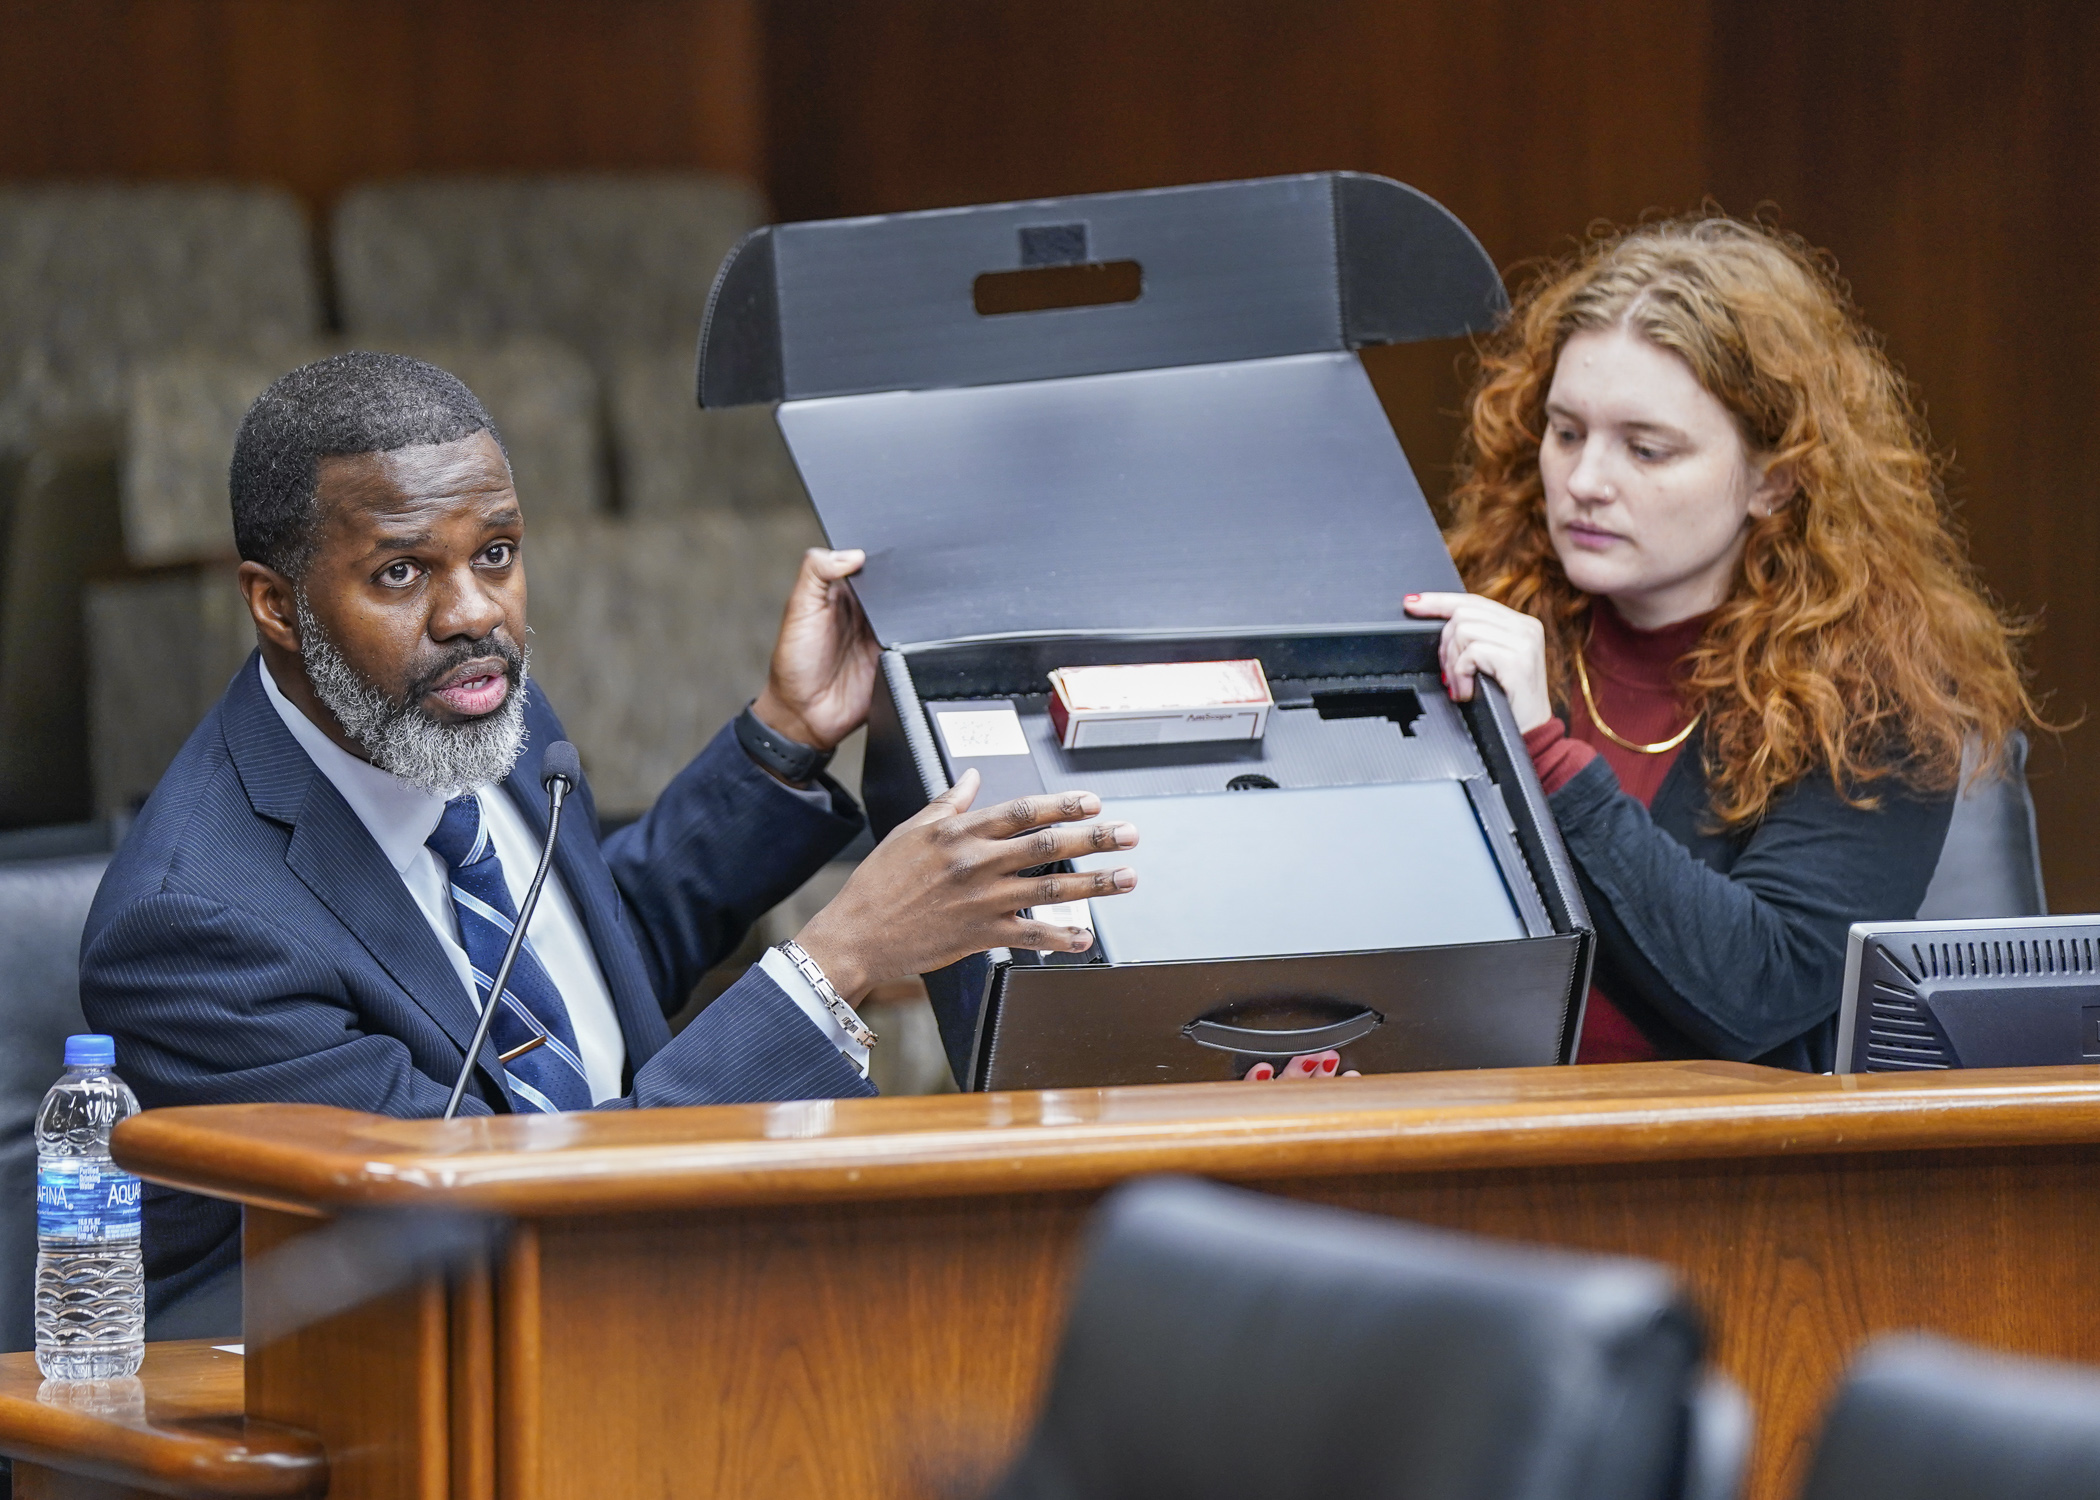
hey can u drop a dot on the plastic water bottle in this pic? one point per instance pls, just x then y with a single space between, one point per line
90 1277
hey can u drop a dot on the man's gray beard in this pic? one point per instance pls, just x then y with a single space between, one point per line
401 737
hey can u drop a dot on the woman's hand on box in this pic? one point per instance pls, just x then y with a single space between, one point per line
1312 1065
947 883
1483 636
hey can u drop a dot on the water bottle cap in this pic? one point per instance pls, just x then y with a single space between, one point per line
91 1050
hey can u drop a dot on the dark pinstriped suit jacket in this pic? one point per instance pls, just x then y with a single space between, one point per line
250 942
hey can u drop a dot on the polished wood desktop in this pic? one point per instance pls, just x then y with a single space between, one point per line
861 1297
177 1429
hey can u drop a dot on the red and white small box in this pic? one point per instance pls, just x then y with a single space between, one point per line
1159 703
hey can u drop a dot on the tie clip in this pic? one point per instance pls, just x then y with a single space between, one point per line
506 1058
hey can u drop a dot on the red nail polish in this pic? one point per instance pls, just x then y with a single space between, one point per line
1411 598
1329 1066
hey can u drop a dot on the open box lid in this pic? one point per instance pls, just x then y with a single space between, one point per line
1194 448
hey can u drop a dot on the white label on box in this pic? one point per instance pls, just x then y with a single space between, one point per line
1167 729
982 731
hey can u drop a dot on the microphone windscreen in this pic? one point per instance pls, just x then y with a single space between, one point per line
561 763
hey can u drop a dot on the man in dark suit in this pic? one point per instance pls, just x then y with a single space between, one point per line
311 905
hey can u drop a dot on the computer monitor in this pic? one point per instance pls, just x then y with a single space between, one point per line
2005 992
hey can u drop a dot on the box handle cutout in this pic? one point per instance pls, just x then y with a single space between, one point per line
1400 704
1093 283
1256 1041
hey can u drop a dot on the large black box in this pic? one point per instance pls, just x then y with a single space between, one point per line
1131 427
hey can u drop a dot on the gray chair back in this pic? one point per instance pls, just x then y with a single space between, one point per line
43 907
94 275
604 262
1923 1419
1991 864
93 279
674 458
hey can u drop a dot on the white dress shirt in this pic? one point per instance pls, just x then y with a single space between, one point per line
400 817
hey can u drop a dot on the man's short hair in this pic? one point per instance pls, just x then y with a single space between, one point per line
351 403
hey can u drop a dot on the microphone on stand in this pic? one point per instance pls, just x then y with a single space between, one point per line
560 770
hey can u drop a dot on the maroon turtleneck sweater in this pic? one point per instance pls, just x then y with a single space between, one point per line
1634 676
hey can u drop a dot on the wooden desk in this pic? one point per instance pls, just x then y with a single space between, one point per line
173 1429
860 1298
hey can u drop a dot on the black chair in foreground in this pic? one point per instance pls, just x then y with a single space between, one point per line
1223 1344
1923 1419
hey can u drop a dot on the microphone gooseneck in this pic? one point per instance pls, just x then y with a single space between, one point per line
560 770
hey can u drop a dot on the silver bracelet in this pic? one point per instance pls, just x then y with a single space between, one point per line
841 1012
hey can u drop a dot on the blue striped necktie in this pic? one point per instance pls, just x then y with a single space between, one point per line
550 1077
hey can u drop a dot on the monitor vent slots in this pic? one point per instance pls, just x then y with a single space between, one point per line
2002 958
1900 1035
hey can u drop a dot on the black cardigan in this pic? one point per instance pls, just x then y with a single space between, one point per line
1732 945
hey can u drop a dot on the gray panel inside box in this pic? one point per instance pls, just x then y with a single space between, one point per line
1313 870
1301 749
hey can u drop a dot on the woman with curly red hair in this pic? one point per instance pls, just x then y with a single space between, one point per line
1700 519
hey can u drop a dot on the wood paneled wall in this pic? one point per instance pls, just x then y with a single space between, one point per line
1945 152
1527 119
1942 149
317 94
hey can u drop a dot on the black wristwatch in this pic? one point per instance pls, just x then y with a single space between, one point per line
788 759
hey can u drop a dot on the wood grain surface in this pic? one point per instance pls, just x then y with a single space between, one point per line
321 94
863 1297
899 1348
520 1368
38 1482
307 1157
175 1428
373 1384
471 1358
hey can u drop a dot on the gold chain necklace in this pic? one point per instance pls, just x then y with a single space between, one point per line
1589 701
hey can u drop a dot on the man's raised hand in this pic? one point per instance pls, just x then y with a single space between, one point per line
823 671
947 883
